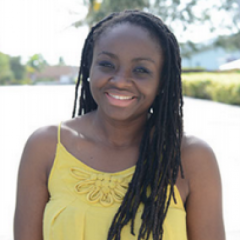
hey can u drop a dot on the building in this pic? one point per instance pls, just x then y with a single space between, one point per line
210 58
56 75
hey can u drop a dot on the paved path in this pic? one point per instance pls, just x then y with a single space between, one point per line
218 124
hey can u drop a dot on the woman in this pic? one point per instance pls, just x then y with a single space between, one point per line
121 169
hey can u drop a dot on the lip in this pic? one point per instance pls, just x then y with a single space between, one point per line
119 103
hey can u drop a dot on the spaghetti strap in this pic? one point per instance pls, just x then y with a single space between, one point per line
59 132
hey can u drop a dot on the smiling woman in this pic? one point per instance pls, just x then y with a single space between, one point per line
122 168
125 72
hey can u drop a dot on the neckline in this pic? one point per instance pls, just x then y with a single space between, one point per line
124 171
129 170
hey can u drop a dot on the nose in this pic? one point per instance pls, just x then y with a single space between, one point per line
121 78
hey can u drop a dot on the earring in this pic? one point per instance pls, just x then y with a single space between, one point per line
88 79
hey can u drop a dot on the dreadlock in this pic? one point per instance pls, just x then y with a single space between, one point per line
159 152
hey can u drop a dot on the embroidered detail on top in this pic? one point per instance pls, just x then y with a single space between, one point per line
99 187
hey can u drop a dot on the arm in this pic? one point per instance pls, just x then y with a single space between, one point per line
32 192
204 202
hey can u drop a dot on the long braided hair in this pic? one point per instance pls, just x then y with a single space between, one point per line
159 158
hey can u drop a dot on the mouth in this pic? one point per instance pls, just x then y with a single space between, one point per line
120 97
119 100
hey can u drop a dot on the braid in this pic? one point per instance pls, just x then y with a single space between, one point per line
86 101
159 158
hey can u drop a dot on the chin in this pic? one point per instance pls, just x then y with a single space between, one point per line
125 116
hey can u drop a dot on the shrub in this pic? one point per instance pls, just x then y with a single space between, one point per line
197 89
221 87
226 93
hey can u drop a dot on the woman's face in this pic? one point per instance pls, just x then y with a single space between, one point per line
125 72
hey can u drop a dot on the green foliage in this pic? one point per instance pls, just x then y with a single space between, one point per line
6 74
98 10
229 42
24 81
37 62
233 8
193 69
197 89
177 14
17 68
220 87
169 10
227 93
12 72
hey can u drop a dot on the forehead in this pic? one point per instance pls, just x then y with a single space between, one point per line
126 34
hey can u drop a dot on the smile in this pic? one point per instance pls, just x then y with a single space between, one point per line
120 97
120 101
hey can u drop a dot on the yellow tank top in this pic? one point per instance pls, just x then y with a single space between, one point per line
83 202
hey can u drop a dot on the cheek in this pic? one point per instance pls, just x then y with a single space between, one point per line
97 74
93 87
93 84
96 85
94 79
150 89
152 95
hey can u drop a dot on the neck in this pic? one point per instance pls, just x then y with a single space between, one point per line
116 133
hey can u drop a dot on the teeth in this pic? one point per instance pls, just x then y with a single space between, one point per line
120 97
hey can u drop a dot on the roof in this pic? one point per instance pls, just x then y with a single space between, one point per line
57 72
230 65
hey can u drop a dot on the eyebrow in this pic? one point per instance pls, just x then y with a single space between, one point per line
134 60
144 59
108 54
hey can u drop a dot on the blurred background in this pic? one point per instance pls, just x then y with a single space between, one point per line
40 48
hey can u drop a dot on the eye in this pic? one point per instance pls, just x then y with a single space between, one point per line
141 70
106 64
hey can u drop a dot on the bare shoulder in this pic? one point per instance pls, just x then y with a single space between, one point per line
204 200
32 191
35 165
44 140
39 150
41 146
199 160
193 144
43 136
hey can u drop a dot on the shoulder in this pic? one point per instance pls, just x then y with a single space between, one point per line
39 150
199 160
204 200
43 139
194 144
32 191
195 150
43 136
